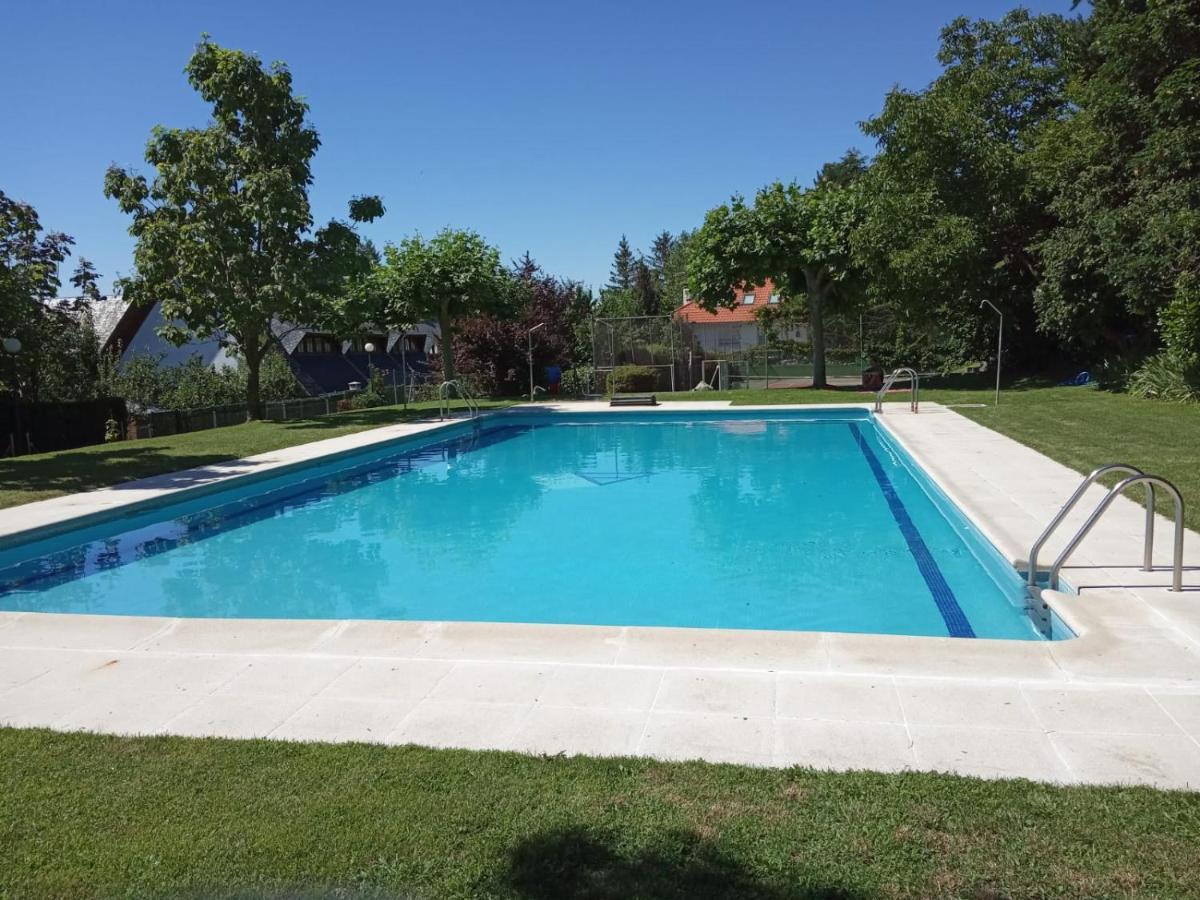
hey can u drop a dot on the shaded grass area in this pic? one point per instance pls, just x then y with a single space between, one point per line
87 815
43 475
1080 427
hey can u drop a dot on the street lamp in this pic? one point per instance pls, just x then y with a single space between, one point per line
530 336
12 346
370 348
999 343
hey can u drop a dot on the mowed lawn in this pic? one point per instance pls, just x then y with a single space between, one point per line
86 815
43 475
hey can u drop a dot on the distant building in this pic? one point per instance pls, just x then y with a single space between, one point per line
322 363
733 330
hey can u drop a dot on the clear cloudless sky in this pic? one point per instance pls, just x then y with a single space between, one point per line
552 127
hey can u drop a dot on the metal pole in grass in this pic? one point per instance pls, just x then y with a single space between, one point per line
999 343
530 336
12 346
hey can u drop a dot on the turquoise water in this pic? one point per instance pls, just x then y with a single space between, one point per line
811 521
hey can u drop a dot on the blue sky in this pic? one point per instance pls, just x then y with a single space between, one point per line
549 126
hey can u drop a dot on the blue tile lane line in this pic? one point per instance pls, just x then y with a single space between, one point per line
947 604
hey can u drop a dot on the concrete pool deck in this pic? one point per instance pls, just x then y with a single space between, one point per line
1119 703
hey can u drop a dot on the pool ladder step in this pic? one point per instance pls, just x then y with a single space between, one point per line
1038 608
914 397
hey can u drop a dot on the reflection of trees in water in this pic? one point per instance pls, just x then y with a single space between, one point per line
772 504
303 571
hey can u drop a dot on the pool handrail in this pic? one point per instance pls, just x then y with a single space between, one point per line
1116 491
464 395
1096 473
914 401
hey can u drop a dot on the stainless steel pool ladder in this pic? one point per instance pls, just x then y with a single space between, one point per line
1136 476
914 399
463 393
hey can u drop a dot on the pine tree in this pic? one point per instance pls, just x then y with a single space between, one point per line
645 287
621 276
84 280
660 251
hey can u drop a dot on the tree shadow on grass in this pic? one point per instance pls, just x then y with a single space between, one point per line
583 863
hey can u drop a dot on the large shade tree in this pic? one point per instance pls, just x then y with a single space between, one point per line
1122 265
795 236
225 238
955 203
450 277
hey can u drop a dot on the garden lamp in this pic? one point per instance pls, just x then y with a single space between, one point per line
370 348
12 346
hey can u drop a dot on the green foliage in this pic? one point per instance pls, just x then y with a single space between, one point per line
224 230
454 275
112 431
1165 376
797 237
373 394
620 276
954 202
632 379
1125 168
146 383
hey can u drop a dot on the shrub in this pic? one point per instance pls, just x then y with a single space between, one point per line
1166 377
632 379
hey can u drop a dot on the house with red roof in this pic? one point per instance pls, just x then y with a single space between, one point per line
732 330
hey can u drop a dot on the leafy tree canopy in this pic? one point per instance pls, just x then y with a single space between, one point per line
797 237
452 276
224 230
953 200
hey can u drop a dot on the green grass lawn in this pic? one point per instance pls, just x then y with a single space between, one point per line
85 816
43 475
1081 427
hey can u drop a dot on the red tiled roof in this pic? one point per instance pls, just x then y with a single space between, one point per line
743 312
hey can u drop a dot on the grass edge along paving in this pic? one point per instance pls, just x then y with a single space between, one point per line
87 815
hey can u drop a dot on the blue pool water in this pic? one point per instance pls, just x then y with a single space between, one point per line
788 520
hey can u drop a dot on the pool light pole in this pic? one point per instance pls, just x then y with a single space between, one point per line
530 336
999 343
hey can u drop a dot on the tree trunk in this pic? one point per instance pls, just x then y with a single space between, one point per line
816 324
446 326
253 356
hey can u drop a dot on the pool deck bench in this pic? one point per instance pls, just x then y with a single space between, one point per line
1118 703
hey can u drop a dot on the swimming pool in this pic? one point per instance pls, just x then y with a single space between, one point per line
793 520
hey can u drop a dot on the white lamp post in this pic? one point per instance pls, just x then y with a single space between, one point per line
530 336
370 348
12 346
999 343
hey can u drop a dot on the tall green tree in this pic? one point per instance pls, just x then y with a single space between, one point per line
1122 264
224 231
797 237
58 347
452 276
955 204
620 277
85 279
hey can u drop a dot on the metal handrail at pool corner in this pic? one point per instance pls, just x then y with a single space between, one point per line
1147 556
464 395
1117 490
914 401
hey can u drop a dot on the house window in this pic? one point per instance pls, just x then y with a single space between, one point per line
359 344
748 299
774 298
317 343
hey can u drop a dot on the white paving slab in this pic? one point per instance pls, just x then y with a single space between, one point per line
1119 703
